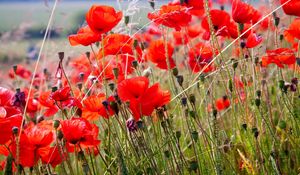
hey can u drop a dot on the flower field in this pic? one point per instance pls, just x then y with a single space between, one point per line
201 87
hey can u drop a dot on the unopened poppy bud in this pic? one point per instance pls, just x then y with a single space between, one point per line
40 119
235 64
254 130
192 114
282 124
15 67
257 102
105 104
243 44
18 90
258 93
54 88
111 86
56 124
192 99
140 124
193 166
241 26
79 85
256 133
179 79
298 61
244 126
276 21
152 4
135 43
230 86
184 101
195 135
281 84
15 130
293 87
281 37
131 125
215 112
202 77
294 81
80 155
285 88
61 55
178 134
147 72
134 63
167 154
175 71
222 7
116 72
126 20
60 135
114 106
88 54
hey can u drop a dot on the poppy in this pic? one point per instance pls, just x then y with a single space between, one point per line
193 31
51 155
96 105
21 71
85 36
253 40
292 7
39 135
157 54
173 16
102 19
180 38
220 20
233 32
49 104
115 44
242 12
79 131
6 125
280 57
6 104
142 98
62 94
294 29
199 57
222 103
196 7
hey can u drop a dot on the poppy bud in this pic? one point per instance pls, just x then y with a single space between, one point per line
114 107
167 154
152 4
193 166
257 102
134 64
285 88
54 88
111 86
282 124
230 86
140 124
179 79
243 44
184 101
88 54
192 114
15 130
294 81
244 126
276 21
241 26
61 55
202 77
293 87
215 112
175 71
15 67
40 119
59 135
298 61
222 7
235 63
79 85
105 104
178 134
281 84
126 20
195 135
192 99
56 124
258 93
131 125
116 72
281 37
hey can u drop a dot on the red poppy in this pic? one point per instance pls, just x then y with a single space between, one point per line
294 28
49 104
102 19
196 7
62 94
96 105
292 7
280 57
51 155
21 71
6 104
115 44
79 131
222 103
242 12
194 31
173 16
6 125
233 32
142 99
199 57
253 40
180 38
85 36
157 54
39 135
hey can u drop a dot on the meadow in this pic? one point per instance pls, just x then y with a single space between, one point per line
143 87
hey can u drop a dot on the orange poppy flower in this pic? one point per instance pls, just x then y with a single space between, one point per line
222 103
102 19
96 105
242 12
294 28
280 57
142 98
173 16
157 54
292 7
85 36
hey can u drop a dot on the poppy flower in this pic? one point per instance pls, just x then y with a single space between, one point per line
102 19
119 44
157 54
193 31
222 103
280 57
96 105
233 32
142 98
242 12
219 18
6 125
180 38
173 16
51 155
196 7
64 98
253 40
199 57
39 135
85 36
21 71
294 29
79 131
6 104
47 102
291 8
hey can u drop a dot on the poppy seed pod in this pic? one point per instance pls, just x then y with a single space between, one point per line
126 20
15 67
56 124
175 71
179 79
192 99
61 55
276 21
178 134
257 102
134 64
